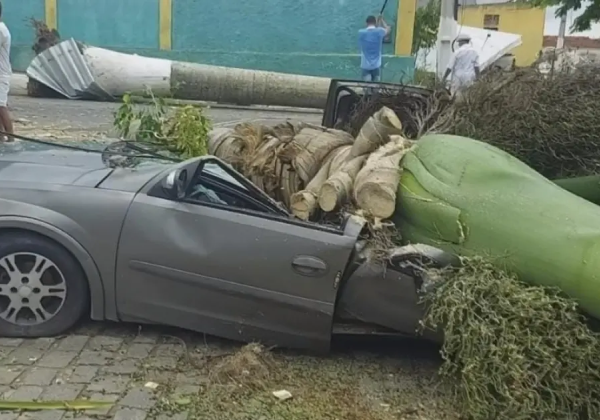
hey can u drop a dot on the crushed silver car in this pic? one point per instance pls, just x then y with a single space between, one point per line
193 245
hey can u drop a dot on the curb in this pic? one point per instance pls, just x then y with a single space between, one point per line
263 108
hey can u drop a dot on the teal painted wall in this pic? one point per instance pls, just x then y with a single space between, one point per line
17 14
110 23
283 26
312 37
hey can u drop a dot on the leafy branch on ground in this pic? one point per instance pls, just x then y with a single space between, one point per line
183 132
513 351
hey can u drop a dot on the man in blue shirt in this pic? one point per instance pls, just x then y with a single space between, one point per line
370 40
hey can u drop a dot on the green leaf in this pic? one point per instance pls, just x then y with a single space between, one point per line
75 405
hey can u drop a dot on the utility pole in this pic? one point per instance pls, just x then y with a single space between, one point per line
446 34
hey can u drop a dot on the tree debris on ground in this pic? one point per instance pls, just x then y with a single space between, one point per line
183 133
550 123
513 351
252 363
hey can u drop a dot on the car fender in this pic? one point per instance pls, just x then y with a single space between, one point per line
390 296
74 247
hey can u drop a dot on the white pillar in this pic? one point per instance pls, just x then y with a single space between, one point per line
446 34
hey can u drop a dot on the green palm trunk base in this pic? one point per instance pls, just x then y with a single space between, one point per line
470 198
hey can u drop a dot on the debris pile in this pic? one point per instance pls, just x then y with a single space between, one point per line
552 124
311 168
417 110
513 351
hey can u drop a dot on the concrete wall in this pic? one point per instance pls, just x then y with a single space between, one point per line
513 18
312 37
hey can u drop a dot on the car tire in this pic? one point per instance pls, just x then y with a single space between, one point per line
63 287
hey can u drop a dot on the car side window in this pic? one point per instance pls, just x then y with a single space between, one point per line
213 185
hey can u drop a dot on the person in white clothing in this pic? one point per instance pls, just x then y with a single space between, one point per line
5 73
463 65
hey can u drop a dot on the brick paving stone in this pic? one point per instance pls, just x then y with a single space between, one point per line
37 344
169 363
9 373
123 367
109 384
146 338
5 351
73 343
24 393
38 376
105 343
177 416
142 398
42 415
138 350
83 374
24 356
169 350
11 342
96 358
57 359
130 414
61 392
102 411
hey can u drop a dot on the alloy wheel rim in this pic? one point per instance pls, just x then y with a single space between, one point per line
32 289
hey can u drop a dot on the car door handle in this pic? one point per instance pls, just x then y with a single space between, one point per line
309 266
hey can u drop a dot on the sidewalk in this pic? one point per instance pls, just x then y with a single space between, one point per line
18 87
18 84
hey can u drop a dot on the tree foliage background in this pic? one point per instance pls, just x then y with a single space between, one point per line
590 15
427 21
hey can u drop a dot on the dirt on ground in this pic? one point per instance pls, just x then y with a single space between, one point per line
251 382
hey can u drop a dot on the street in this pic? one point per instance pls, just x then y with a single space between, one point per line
159 373
63 119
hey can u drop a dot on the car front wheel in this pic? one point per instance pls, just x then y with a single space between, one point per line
43 290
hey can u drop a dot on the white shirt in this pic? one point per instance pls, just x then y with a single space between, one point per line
462 64
5 68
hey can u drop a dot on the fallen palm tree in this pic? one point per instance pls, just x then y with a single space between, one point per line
513 330
103 74
472 199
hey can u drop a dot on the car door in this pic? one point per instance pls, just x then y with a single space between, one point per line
230 272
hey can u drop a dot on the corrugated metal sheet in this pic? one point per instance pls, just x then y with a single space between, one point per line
63 68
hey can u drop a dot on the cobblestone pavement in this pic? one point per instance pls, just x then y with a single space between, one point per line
106 362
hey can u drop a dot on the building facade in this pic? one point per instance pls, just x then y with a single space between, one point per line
509 17
310 37
581 48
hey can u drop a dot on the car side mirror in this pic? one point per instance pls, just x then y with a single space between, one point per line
175 184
